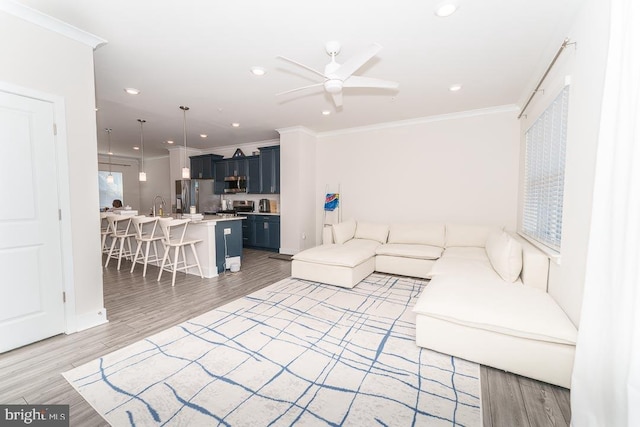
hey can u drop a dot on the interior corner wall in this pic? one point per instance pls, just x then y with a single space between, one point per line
585 65
460 168
45 61
297 190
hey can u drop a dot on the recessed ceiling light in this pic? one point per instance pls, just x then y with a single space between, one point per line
132 91
446 8
169 142
203 135
235 125
326 112
258 71
455 88
135 147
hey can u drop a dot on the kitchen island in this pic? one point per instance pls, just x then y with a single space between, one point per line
221 238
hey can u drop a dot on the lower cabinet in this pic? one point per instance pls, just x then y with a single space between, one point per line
261 232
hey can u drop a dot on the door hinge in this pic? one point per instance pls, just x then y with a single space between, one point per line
64 296
55 129
59 214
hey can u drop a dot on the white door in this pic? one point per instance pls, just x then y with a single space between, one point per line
31 281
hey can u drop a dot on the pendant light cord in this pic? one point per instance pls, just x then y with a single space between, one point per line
142 121
108 130
184 131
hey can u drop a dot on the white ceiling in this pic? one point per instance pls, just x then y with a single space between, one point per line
199 52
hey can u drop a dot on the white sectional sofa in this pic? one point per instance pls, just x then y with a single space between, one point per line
487 300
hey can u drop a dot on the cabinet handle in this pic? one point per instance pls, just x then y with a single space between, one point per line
266 225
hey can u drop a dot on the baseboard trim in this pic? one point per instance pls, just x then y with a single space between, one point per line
90 320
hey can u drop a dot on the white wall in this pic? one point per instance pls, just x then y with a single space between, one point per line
158 183
585 64
49 62
297 184
457 168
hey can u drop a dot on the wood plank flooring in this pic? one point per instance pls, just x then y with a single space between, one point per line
138 307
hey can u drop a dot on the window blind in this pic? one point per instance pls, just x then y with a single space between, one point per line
546 142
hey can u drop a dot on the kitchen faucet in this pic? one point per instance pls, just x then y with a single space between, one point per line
160 211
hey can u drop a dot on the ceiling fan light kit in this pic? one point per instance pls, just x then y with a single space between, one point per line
338 76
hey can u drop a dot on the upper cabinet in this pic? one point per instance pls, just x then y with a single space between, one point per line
253 175
270 170
262 172
202 167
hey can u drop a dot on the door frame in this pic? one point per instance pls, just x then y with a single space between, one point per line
64 197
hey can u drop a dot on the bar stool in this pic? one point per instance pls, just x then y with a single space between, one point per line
147 232
121 232
105 231
174 231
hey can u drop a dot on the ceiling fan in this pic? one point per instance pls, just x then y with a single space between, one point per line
337 76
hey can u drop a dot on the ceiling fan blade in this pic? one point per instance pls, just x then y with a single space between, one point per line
302 65
359 81
299 88
337 99
355 62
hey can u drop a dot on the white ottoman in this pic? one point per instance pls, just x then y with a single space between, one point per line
340 265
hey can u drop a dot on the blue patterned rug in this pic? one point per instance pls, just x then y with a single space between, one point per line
296 352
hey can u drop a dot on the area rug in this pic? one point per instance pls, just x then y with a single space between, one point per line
294 353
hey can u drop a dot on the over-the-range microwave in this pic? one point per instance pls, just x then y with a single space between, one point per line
235 184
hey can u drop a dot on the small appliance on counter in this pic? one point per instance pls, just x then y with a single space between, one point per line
264 206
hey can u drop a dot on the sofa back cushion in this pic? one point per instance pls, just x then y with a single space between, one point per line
371 231
467 235
505 255
418 234
344 231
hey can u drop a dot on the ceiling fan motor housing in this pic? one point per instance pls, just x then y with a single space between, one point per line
333 86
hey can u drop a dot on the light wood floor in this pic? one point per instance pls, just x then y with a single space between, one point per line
138 307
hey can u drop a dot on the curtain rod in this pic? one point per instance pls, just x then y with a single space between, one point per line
564 44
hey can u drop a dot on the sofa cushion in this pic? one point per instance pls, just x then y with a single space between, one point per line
505 255
473 268
371 231
420 234
497 306
410 251
344 231
350 254
467 235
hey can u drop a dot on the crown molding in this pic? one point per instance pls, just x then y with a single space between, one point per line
297 129
511 108
50 23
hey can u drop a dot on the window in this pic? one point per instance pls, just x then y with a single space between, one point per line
108 191
546 142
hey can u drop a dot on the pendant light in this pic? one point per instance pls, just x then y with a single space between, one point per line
142 176
110 176
186 173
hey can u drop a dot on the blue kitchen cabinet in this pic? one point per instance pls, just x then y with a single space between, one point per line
253 175
262 232
270 170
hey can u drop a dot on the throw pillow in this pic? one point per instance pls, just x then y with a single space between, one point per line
370 231
505 255
344 231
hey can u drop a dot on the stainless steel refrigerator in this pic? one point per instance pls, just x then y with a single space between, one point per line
198 193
